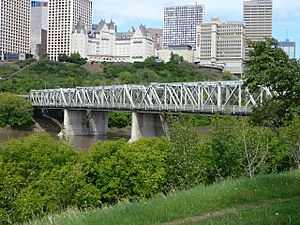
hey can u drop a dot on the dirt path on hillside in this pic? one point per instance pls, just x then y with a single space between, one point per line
211 215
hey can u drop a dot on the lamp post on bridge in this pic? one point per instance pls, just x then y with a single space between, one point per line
45 83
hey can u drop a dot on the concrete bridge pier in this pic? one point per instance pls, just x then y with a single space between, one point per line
98 122
146 125
84 123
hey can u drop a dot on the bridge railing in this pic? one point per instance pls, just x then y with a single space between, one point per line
200 97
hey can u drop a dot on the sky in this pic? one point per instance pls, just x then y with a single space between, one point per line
128 13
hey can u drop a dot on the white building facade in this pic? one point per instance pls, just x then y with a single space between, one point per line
14 27
63 17
180 24
105 44
221 43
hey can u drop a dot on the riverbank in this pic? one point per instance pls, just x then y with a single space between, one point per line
268 199
8 133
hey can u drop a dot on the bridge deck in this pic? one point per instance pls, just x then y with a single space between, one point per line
196 97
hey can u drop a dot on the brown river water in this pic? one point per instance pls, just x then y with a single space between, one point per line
82 142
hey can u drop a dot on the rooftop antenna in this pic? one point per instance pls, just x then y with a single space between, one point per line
287 35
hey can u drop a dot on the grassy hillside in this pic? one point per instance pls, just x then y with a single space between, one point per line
21 77
273 199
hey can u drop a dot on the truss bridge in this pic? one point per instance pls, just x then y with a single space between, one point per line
147 102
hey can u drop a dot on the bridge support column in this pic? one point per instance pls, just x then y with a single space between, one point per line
146 125
98 123
85 123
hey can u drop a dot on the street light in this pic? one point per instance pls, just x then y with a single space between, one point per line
45 83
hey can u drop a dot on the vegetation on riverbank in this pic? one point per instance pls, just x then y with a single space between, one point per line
271 199
39 175
15 111
21 77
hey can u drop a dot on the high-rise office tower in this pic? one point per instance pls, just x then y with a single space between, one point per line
221 43
38 29
180 24
258 19
14 27
63 17
289 47
157 35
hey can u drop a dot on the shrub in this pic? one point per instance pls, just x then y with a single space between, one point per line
241 149
185 159
287 153
15 111
55 191
123 171
39 175
24 163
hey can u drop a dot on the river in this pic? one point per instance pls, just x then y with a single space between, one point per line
82 142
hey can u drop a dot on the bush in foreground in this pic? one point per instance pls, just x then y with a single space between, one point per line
39 175
267 199
25 167
123 171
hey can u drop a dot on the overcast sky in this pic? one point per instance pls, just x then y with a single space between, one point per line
127 13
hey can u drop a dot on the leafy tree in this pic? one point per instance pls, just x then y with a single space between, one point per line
77 59
239 148
185 168
15 111
175 59
73 58
26 62
35 74
288 152
53 74
268 65
63 58
119 119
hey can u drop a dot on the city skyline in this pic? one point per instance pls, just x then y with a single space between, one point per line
132 12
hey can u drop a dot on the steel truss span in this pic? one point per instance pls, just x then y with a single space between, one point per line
196 97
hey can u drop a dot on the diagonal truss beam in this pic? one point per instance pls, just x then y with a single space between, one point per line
195 97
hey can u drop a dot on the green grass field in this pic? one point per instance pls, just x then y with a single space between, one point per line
273 199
